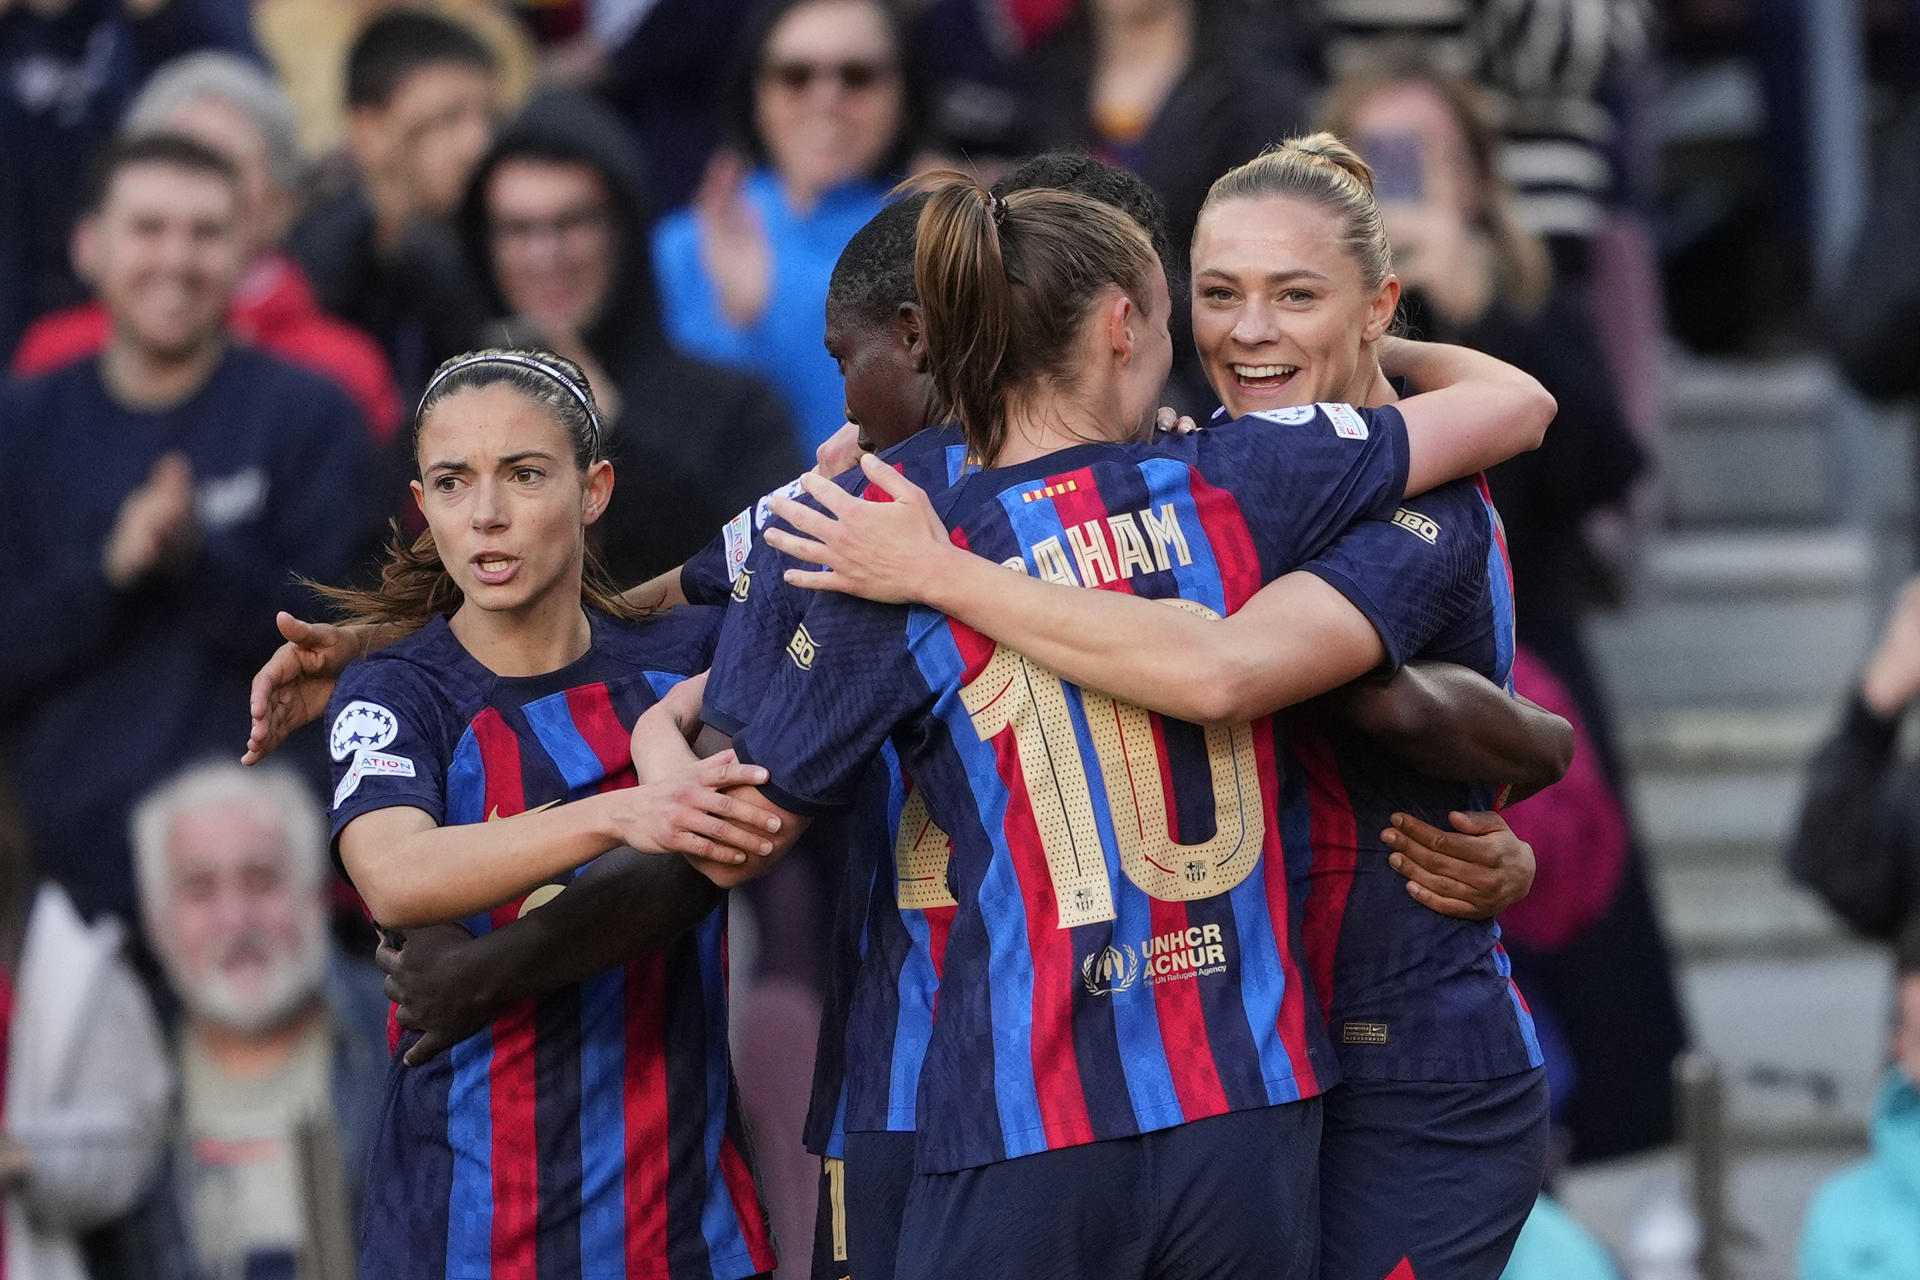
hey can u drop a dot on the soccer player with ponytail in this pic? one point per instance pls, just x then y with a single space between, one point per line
591 1131
1127 1052
1434 1146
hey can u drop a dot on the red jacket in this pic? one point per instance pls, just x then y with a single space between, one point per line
273 309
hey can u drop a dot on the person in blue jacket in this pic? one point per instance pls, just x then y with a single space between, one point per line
1865 1223
826 109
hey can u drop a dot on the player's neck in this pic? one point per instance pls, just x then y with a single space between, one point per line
539 637
139 377
1047 421
1370 387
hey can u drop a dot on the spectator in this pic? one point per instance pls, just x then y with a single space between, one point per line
84 1080
308 42
1865 1224
826 112
1179 91
1550 62
1471 273
232 106
178 483
652 61
420 92
278 1027
1857 843
1554 1246
556 223
67 69
1872 319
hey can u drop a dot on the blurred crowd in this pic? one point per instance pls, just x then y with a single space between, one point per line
237 235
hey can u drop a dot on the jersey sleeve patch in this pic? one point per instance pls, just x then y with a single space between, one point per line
1347 422
362 726
739 541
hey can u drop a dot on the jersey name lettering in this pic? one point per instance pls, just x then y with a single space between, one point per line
1112 549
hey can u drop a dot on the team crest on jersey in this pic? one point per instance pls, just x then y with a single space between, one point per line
742 586
1423 527
1292 416
1110 969
802 648
362 726
1347 422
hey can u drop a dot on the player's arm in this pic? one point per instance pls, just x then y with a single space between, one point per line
1449 722
448 984
1295 639
412 871
669 736
292 689
1470 412
662 591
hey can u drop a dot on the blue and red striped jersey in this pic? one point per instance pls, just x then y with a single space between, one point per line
1124 953
594 1131
888 932
1410 994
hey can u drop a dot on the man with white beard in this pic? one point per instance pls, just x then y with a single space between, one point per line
277 1027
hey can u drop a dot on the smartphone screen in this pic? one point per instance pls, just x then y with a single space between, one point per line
1398 166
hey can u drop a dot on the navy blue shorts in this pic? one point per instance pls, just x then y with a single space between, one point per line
1427 1181
1217 1199
862 1198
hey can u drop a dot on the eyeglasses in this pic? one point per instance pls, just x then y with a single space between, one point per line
567 225
855 77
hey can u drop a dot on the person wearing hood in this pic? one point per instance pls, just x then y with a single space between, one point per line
1865 1223
556 222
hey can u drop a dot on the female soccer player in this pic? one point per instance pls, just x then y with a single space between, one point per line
478 761
1434 1148
1065 1019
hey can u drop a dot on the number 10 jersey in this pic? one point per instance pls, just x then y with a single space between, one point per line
1125 949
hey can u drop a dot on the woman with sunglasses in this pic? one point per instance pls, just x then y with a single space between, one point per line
824 111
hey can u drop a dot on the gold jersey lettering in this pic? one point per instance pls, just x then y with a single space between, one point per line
1130 766
1130 546
1167 534
921 852
1052 562
1014 694
1031 701
1090 554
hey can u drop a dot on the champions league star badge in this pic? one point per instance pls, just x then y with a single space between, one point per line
362 726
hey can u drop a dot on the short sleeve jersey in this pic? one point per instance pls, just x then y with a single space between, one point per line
709 574
890 918
591 1132
1124 954
1410 994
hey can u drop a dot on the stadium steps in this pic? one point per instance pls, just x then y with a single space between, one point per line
1754 602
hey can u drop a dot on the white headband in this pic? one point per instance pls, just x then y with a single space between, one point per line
526 362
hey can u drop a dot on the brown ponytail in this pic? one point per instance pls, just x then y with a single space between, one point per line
415 586
1004 284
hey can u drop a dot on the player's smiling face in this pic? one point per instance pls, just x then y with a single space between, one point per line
1280 314
505 499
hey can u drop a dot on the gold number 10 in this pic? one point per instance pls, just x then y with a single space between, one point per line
1014 693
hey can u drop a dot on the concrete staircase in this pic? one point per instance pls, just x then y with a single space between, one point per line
1781 537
